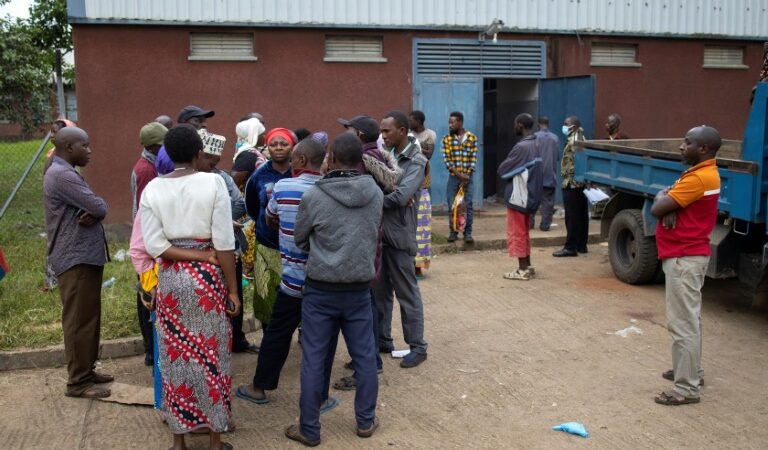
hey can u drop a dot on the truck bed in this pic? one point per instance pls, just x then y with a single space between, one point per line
646 166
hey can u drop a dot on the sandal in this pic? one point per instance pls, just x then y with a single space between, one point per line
674 399
329 404
670 375
345 384
293 433
243 392
91 392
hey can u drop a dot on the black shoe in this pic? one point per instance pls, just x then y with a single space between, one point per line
584 250
543 228
564 252
468 239
149 360
412 360
453 237
386 349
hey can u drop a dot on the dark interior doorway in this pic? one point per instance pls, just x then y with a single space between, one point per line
503 99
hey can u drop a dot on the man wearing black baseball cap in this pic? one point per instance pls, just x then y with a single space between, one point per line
193 115
363 124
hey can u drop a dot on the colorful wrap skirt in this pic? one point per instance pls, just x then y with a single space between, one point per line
194 339
424 230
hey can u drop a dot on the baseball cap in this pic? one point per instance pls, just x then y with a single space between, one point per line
364 124
152 134
191 111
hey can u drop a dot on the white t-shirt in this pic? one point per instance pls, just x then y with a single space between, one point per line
195 206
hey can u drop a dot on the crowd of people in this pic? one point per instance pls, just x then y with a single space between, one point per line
283 217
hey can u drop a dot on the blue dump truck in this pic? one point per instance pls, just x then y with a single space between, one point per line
635 170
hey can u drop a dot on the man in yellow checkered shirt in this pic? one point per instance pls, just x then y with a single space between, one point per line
460 156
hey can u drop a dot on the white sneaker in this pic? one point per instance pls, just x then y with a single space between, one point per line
522 275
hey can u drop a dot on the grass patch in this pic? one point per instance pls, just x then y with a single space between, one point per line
28 317
439 239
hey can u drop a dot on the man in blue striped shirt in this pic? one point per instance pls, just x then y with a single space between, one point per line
306 162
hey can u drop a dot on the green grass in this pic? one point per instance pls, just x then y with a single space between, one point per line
28 317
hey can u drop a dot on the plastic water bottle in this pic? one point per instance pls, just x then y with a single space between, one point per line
109 283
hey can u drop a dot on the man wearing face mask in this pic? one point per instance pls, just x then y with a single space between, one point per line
574 200
193 115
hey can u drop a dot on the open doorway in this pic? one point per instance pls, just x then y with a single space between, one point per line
503 99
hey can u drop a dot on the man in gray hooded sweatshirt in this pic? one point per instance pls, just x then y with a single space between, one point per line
337 224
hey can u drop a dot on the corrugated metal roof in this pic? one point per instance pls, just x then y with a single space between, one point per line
688 18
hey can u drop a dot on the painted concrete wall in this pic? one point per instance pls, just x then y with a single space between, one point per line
127 75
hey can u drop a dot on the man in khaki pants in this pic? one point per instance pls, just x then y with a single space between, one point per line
687 212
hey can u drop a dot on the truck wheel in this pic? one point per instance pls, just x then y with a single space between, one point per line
633 255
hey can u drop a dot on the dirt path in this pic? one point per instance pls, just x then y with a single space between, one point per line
507 360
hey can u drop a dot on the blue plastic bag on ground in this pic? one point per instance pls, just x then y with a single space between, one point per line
573 428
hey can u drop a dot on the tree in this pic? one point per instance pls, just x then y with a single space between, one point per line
25 84
27 60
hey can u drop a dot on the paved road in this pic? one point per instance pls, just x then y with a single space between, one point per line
507 361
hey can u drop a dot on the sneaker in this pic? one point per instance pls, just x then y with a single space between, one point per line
468 239
453 237
519 274
412 360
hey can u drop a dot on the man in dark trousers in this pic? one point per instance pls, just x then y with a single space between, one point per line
574 200
460 157
77 253
549 151
398 272
337 224
687 212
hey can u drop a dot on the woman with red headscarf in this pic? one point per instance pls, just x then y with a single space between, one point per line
258 192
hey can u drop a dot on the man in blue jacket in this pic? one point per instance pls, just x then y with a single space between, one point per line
522 195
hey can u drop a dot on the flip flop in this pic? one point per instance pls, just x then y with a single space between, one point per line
329 404
242 392
346 384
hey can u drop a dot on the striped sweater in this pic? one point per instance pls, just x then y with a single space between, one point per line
286 196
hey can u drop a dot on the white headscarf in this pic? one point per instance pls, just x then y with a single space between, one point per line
248 131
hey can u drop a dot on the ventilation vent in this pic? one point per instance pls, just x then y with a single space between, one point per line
221 47
354 49
720 57
621 55
499 60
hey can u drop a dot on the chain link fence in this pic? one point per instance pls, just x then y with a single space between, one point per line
21 180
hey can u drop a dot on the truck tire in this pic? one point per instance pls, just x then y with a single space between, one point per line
633 255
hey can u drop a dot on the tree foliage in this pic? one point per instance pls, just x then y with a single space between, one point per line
27 61
25 84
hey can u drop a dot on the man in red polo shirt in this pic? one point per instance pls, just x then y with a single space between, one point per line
687 212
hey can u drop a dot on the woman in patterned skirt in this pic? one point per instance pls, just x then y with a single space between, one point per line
186 222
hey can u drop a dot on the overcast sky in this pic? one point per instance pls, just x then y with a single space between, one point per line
16 8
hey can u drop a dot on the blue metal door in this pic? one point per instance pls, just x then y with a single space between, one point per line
563 97
437 97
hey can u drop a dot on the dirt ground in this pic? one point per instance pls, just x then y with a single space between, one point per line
507 361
